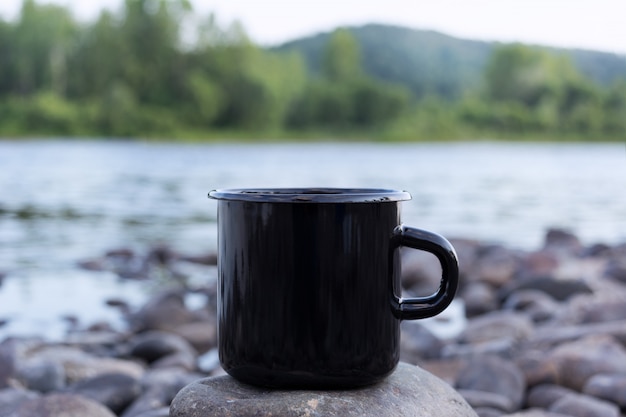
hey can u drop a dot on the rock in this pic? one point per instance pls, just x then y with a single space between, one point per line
616 270
610 387
418 343
549 336
95 339
206 259
544 395
159 388
157 412
445 369
577 405
154 345
41 375
504 347
601 310
165 311
183 360
12 398
483 399
539 263
496 266
536 413
66 405
536 369
7 364
562 241
173 378
115 391
536 304
479 298
494 375
558 288
81 365
580 360
409 391
496 326
488 412
202 335
467 251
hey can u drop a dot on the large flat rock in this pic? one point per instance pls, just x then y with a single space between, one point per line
409 391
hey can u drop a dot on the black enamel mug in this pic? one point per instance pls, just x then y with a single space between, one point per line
308 284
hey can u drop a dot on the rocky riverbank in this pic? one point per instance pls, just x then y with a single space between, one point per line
542 333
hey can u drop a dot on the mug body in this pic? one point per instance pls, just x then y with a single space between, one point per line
304 286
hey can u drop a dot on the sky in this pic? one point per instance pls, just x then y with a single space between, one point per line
586 24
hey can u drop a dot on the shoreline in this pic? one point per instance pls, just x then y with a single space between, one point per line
531 323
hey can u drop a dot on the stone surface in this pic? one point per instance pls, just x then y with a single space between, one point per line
113 390
538 305
577 405
418 343
610 387
555 316
535 413
480 298
487 400
41 375
497 325
557 288
158 412
154 345
544 395
12 398
78 364
409 391
65 405
497 376
160 386
603 310
578 361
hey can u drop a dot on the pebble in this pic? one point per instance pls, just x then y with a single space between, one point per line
535 304
66 405
491 374
578 361
543 334
41 375
479 298
418 343
154 345
544 395
533 412
578 405
12 398
610 387
497 325
114 390
484 399
558 288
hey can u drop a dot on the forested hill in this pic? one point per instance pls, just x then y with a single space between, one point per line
132 73
429 62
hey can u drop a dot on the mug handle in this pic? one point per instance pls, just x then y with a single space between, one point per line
423 307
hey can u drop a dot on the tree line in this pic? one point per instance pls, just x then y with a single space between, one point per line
156 69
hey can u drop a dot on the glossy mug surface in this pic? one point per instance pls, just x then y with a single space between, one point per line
308 283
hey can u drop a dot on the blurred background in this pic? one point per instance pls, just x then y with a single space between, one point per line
501 118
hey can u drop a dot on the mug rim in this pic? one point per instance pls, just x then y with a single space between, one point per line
310 195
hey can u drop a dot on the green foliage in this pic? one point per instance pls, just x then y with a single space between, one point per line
344 97
341 61
131 72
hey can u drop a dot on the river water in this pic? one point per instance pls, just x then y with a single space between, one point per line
66 200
